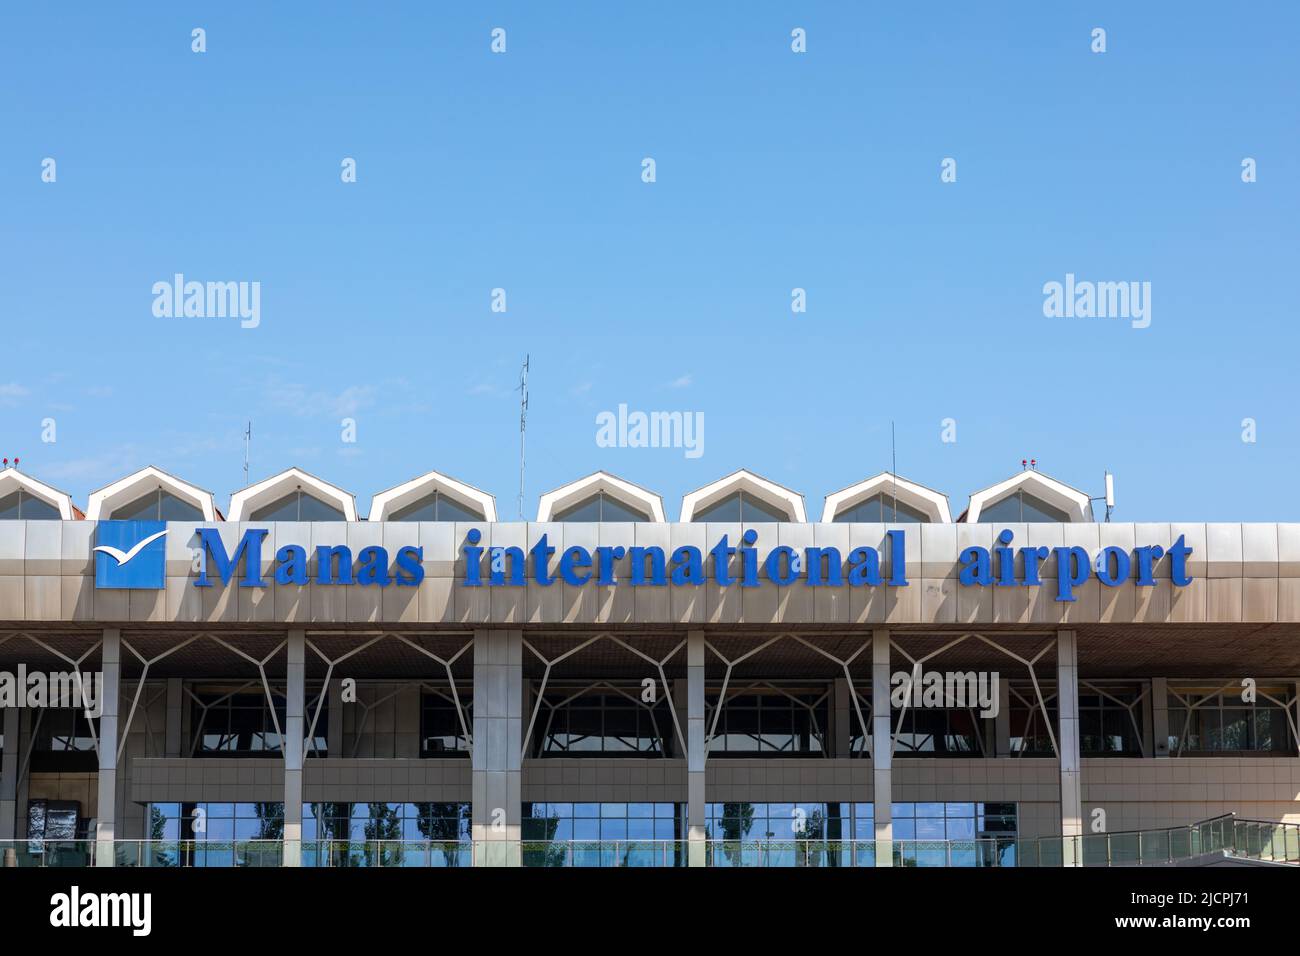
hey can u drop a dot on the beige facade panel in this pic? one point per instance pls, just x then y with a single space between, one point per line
604 780
779 780
1241 573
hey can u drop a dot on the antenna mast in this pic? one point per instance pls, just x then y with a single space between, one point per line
523 426
893 466
248 439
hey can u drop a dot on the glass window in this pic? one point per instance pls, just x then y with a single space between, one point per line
65 728
386 834
579 722
1029 731
22 506
954 834
882 508
436 507
601 507
1019 506
788 722
441 732
1206 719
158 505
297 506
790 834
216 834
1110 720
236 722
63 740
740 507
604 834
950 732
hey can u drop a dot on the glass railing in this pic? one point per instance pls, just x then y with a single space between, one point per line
1244 839
47 853
205 853
387 853
959 853
141 853
790 853
604 853
1271 842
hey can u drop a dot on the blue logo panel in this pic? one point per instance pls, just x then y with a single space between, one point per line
130 554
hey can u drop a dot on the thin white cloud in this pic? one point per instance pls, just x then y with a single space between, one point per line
12 392
305 402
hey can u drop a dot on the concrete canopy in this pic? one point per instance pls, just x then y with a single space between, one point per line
575 492
931 503
247 500
11 480
387 503
103 502
1073 502
769 492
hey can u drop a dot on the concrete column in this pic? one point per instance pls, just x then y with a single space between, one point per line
9 774
106 801
1160 715
840 735
334 718
1067 697
172 728
680 693
1002 722
24 781
407 719
529 697
294 728
1147 714
496 763
697 849
882 748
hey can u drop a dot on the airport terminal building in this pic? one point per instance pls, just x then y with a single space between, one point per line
880 685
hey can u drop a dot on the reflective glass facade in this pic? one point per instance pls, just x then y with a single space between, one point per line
158 505
21 506
297 506
436 507
882 508
791 834
955 834
216 834
1212 720
603 834
386 834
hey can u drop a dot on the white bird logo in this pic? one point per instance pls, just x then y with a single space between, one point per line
121 557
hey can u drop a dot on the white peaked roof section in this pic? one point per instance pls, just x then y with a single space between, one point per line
1072 501
387 503
575 492
11 480
106 500
929 502
769 492
247 500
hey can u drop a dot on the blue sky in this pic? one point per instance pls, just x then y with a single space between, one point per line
774 170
